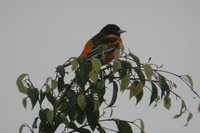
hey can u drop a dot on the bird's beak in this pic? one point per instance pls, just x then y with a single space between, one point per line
121 31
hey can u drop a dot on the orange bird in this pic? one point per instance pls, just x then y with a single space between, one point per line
103 44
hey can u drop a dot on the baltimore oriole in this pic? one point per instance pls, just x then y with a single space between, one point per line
103 44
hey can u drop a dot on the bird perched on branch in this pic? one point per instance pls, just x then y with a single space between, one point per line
103 44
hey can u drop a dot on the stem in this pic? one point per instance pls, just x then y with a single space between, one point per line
183 79
171 73
86 124
110 129
63 96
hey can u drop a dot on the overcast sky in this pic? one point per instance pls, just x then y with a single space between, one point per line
38 35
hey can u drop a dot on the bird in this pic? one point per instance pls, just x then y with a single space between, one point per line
103 44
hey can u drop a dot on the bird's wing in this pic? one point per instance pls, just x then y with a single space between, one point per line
103 47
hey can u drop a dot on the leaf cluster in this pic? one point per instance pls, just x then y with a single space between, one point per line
78 102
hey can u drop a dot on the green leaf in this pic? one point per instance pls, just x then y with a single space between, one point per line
73 111
96 64
33 94
182 110
148 71
199 108
81 101
136 59
20 85
189 78
42 96
177 116
23 126
154 93
136 88
190 116
125 68
35 123
174 85
74 65
53 84
183 106
117 54
140 75
48 88
125 82
100 128
82 74
81 116
24 102
157 101
72 126
43 115
167 102
47 80
116 66
93 118
139 96
64 120
132 89
50 98
123 126
61 84
96 105
61 70
50 115
99 88
93 76
114 96
164 86
142 126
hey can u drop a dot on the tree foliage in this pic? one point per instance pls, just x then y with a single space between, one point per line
77 94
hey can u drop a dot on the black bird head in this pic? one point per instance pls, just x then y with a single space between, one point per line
111 29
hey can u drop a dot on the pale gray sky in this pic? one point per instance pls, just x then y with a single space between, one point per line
36 36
